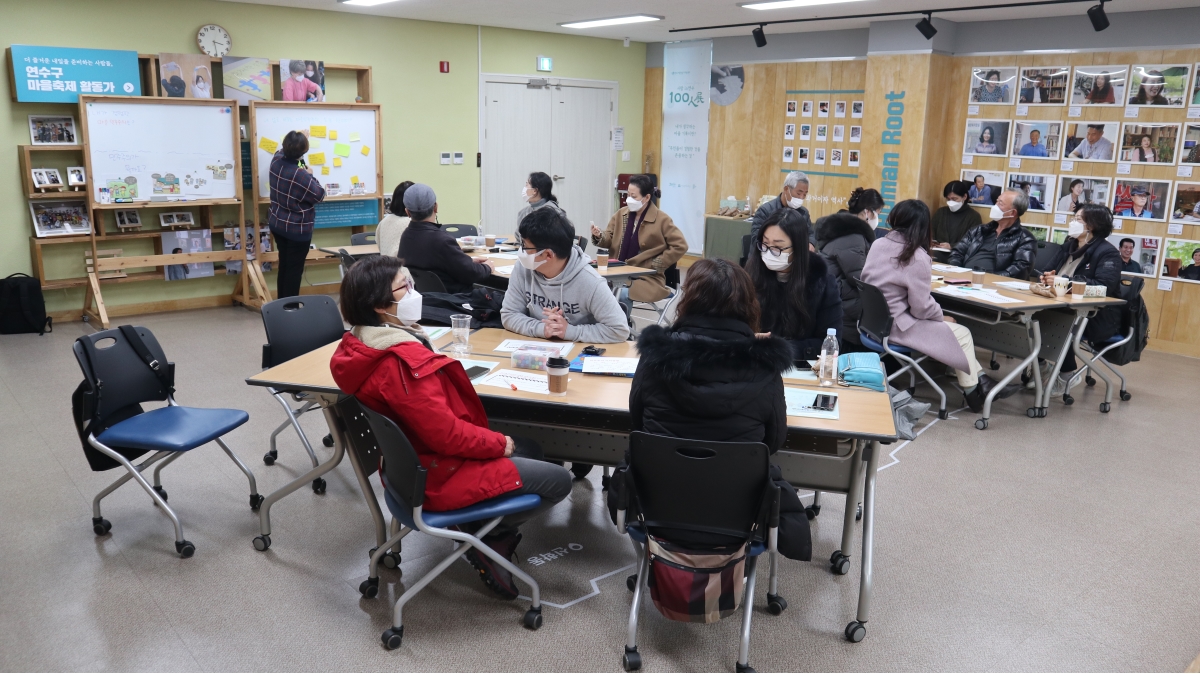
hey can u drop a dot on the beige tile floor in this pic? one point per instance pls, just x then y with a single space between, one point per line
1063 544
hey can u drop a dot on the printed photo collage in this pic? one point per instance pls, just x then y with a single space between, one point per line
804 125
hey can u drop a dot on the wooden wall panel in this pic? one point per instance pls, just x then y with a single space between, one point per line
652 116
895 74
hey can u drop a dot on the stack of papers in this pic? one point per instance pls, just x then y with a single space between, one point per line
800 401
510 345
949 268
980 294
505 271
620 367
796 374
521 381
1013 285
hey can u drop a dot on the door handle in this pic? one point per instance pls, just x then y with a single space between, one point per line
560 177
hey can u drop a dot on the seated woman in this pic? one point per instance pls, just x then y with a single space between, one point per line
710 377
1086 255
900 266
844 239
799 297
393 224
956 218
386 361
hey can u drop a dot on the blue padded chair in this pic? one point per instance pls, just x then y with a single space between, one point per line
875 328
296 326
122 369
721 488
404 483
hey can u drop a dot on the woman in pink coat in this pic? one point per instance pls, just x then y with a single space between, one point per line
900 266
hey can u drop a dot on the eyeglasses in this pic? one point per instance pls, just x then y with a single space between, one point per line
763 248
406 286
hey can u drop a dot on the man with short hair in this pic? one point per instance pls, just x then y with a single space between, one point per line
1128 264
553 292
424 245
1033 148
793 194
1094 147
1001 246
1141 206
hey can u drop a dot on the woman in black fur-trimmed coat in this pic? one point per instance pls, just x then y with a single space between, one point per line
844 240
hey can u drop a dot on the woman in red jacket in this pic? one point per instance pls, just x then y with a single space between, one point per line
387 362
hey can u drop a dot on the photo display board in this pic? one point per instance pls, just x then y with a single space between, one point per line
342 144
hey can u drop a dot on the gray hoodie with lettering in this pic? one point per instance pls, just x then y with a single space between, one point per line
592 312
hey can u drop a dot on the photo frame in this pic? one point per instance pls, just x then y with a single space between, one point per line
819 156
802 155
1143 253
129 219
1181 260
1163 85
1185 204
987 137
76 176
789 131
1036 140
839 109
993 183
856 134
839 133
806 108
1041 188
1091 141
52 130
1194 97
852 158
1074 191
1189 150
40 181
791 108
59 218
822 132
1099 85
856 109
302 80
53 178
1039 232
1044 85
1058 235
835 156
1141 199
1149 143
993 85
806 132
822 108
788 153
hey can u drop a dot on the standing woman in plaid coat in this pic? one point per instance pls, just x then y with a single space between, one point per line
295 194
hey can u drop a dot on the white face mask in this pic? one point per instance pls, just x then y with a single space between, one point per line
954 205
527 260
873 221
525 193
408 309
995 213
777 263
795 203
1075 229
309 73
299 78
633 204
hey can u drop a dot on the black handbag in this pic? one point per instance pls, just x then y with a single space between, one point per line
22 307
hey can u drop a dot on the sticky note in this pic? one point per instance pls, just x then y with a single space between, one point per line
316 158
341 149
316 131
332 134
353 137
366 150
337 161
324 170
269 145
313 144
353 179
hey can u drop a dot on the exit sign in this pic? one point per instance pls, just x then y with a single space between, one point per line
545 64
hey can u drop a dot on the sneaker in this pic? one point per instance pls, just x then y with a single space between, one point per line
496 577
1062 386
1047 366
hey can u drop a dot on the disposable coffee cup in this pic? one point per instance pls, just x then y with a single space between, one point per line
602 258
557 371
490 240
1078 287
977 279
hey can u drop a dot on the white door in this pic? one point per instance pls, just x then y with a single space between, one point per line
516 143
580 159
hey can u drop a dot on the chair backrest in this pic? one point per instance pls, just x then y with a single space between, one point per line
426 281
582 242
1046 252
672 276
745 249
297 325
461 230
111 363
372 433
876 319
362 238
671 310
720 488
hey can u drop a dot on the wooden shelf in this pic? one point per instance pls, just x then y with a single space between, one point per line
58 283
53 196
53 148
166 204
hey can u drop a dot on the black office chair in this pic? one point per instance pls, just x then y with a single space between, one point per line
123 368
582 241
691 486
295 326
362 238
1046 252
404 492
745 249
426 281
460 230
875 328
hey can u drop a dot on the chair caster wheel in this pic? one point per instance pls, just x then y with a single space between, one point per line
392 638
981 424
533 619
855 632
839 563
269 457
256 500
101 526
1125 395
1068 399
1042 412
86 319
318 486
1089 380
812 511
1032 413
631 661
776 605
580 470
390 560
161 492
631 582
743 668
604 482
858 513
369 588
943 414
261 543
327 440
994 365
1105 407
185 548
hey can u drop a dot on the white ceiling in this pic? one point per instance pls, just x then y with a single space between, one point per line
545 15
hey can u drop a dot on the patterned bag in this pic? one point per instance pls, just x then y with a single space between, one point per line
693 586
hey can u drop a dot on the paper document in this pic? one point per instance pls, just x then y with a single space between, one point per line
950 268
510 345
616 366
434 333
796 374
503 256
506 270
467 364
800 403
1013 285
522 381
977 294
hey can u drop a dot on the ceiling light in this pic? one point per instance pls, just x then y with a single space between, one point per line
614 21
1097 16
365 3
784 4
926 27
760 38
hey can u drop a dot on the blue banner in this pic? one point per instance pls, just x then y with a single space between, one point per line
60 74
347 213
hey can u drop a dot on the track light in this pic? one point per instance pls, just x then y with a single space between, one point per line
1097 16
760 38
926 26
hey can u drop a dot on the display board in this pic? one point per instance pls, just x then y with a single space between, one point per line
343 144
142 150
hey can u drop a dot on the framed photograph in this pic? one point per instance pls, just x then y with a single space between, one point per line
1036 140
40 181
1139 254
1185 207
1141 199
187 241
801 155
1039 232
1194 99
59 218
806 108
822 132
76 176
987 137
787 154
1164 85
822 108
856 109
986 186
839 109
994 85
1044 85
1189 153
1091 141
852 158
1149 143
789 131
1058 235
856 134
839 133
53 179
166 219
1181 260
835 157
1075 191
1040 187
129 218
791 108
46 130
819 155
1099 85
806 132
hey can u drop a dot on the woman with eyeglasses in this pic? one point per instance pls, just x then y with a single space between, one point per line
799 296
387 362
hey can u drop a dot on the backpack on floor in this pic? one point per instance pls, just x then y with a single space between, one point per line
22 307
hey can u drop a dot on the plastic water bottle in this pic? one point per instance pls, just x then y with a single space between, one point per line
829 357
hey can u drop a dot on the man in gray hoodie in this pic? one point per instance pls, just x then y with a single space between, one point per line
554 292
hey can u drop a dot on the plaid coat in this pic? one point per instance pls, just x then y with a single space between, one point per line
295 194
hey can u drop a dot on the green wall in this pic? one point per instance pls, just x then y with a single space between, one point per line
424 111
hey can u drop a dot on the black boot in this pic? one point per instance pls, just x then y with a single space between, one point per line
987 384
974 397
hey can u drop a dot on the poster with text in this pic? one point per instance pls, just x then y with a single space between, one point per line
686 84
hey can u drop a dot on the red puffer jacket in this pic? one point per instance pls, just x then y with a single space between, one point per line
429 396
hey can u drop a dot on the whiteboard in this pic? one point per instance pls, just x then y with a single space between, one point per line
355 130
169 151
